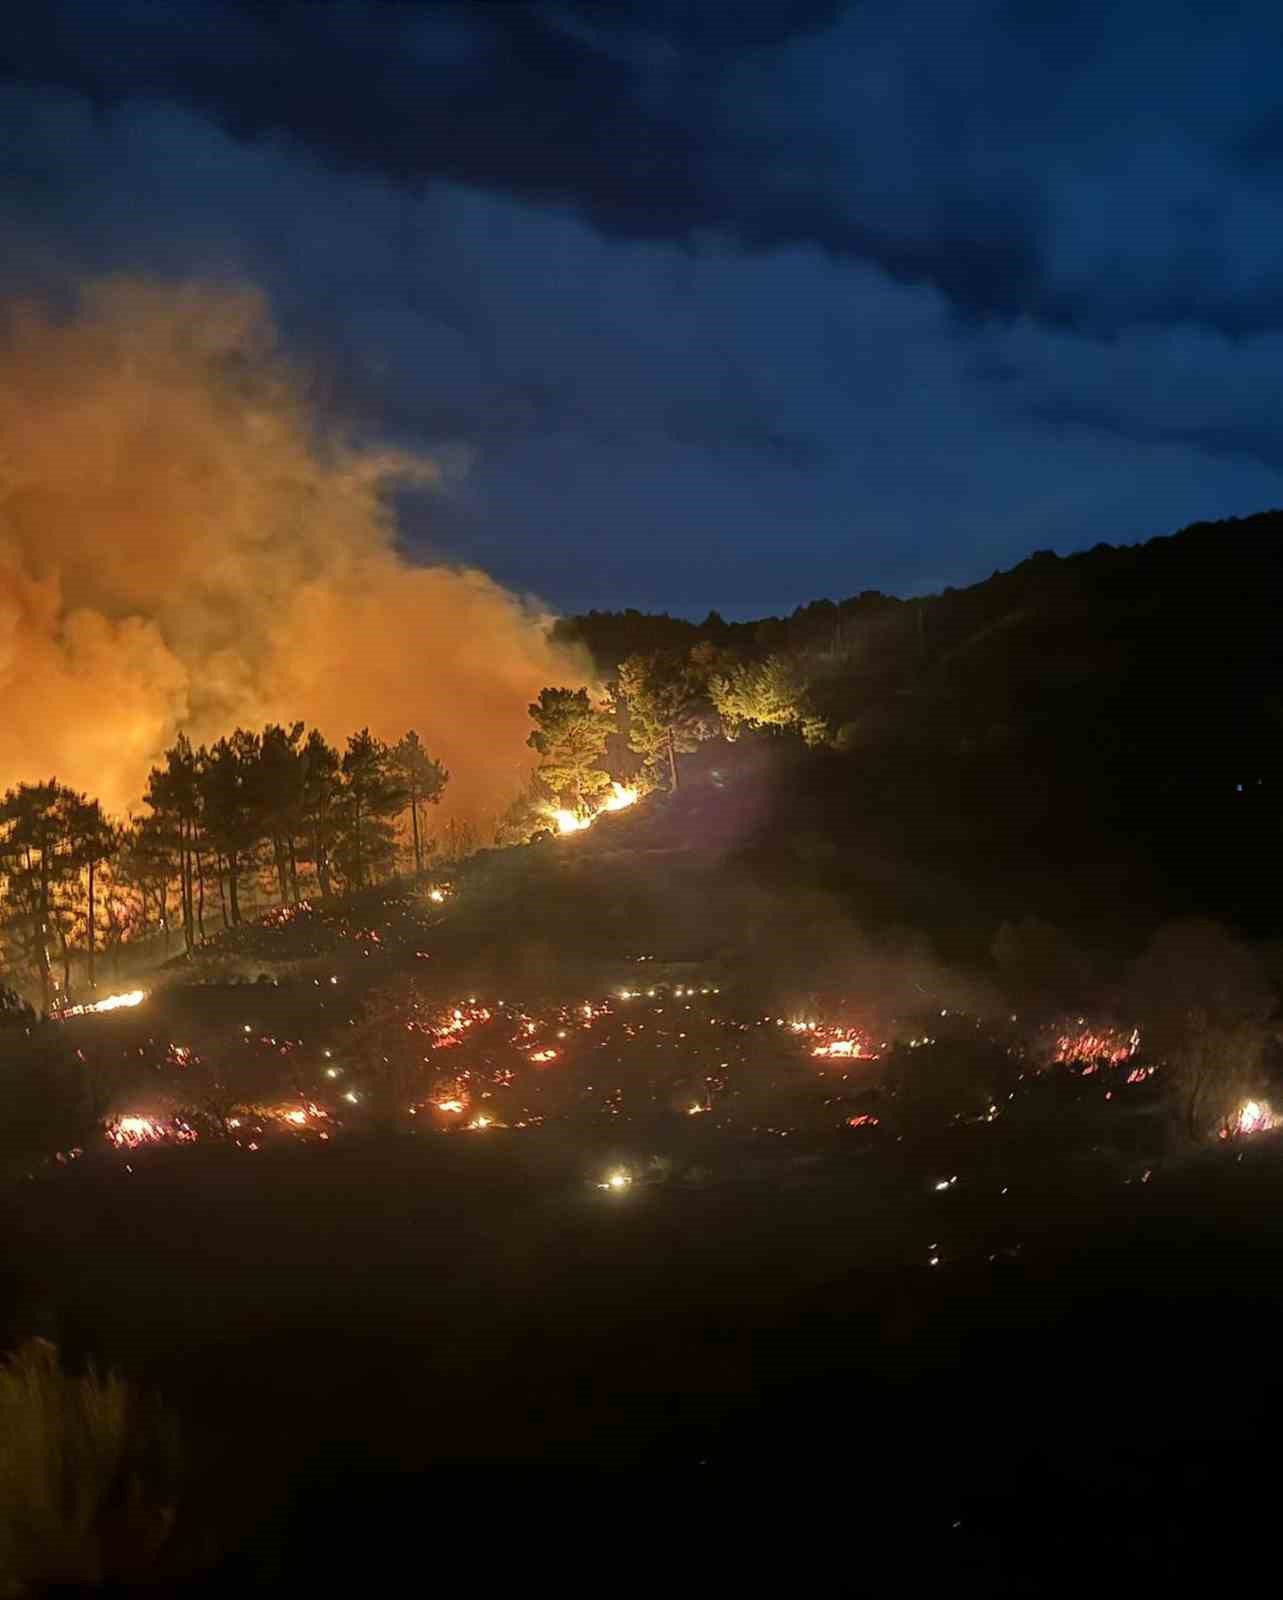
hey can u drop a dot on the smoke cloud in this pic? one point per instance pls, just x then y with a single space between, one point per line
183 548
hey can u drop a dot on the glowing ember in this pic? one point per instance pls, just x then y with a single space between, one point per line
838 1047
481 1121
134 1130
128 1132
543 1055
1088 1047
617 1181
113 1002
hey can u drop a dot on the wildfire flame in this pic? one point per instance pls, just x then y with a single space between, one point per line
113 1002
1253 1116
621 797
838 1047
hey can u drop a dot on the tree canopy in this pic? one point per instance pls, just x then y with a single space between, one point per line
570 735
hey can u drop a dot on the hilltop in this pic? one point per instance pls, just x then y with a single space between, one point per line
1095 737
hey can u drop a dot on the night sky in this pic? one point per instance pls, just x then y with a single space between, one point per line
710 303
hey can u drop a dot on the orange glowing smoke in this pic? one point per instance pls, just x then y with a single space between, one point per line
183 546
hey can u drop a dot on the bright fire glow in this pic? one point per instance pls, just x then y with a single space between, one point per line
543 1055
621 797
838 1047
134 1130
113 1002
617 1181
1253 1116
455 1106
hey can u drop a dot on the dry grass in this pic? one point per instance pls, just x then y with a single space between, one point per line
88 1475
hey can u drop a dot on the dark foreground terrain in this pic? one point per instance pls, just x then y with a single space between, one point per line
958 1313
398 1355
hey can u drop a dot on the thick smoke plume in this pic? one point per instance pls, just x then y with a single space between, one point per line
182 548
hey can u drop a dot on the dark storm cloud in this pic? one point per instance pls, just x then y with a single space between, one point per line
1089 166
720 304
565 103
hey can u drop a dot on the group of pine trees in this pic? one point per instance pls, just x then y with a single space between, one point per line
285 810
75 884
657 708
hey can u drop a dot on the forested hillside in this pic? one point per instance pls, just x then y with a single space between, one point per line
1108 722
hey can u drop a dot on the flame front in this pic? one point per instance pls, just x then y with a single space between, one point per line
113 1002
621 797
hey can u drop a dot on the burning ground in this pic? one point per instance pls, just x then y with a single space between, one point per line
488 1172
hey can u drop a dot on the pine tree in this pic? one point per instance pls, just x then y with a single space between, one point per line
232 823
423 781
322 784
93 840
174 796
765 694
668 708
37 862
370 798
570 736
277 788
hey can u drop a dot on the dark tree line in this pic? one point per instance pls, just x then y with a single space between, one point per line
279 804
1059 728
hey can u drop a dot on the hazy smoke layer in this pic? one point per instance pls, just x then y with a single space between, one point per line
181 548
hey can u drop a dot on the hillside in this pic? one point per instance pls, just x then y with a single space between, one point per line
1097 735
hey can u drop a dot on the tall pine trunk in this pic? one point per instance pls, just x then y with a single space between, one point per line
189 907
358 858
46 969
93 981
672 759
418 848
233 885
